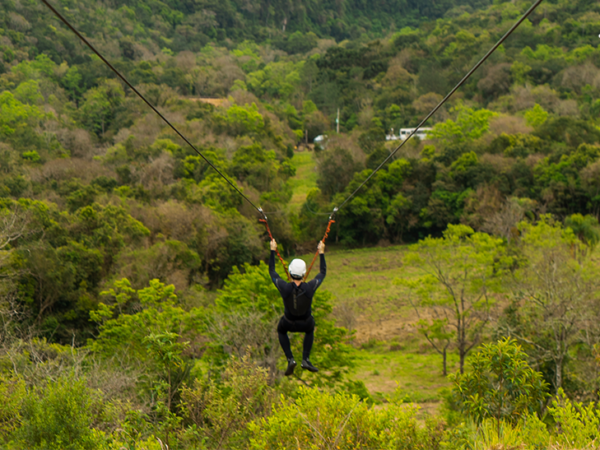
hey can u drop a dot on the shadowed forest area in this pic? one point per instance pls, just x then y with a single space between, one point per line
461 305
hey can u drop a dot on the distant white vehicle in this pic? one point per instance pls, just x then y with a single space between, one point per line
321 141
421 134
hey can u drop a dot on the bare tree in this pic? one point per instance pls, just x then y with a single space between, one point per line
14 224
504 222
248 335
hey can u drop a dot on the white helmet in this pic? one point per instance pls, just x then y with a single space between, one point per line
297 269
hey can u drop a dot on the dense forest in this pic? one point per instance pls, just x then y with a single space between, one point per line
133 290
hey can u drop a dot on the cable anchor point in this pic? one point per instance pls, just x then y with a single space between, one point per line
335 210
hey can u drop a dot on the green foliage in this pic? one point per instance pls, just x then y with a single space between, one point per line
336 167
530 433
275 80
60 416
100 105
573 425
122 330
256 166
536 116
321 420
462 269
242 120
12 394
555 287
17 117
499 384
220 411
469 124
585 228
32 156
577 424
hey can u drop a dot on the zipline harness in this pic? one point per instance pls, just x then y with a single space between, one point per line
336 209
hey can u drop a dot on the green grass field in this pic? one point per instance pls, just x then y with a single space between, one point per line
394 361
304 180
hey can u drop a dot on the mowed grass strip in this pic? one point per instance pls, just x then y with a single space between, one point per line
304 180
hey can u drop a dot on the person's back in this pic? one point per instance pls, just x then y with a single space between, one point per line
297 300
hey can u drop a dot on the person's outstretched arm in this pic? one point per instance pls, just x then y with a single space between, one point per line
316 281
272 273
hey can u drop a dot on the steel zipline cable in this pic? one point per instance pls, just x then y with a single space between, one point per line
461 82
86 42
336 209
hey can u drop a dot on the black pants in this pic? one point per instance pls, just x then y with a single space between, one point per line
297 326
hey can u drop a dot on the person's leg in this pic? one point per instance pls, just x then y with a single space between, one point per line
309 337
284 340
282 330
308 343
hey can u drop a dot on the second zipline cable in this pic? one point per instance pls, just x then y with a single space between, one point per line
434 110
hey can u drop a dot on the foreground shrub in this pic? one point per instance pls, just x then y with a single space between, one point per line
574 426
499 384
60 416
319 420
12 393
218 413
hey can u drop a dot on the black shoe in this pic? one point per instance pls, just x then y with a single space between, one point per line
306 364
290 368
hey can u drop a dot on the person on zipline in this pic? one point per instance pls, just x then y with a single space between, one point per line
297 300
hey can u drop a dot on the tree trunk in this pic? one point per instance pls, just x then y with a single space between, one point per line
444 365
559 374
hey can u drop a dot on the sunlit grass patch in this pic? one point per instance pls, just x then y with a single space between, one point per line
403 375
304 180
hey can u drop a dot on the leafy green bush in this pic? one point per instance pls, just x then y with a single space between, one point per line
500 384
60 417
123 332
577 425
218 412
319 420
528 434
12 393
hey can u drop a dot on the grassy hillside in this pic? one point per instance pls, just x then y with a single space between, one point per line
304 180
394 360
135 304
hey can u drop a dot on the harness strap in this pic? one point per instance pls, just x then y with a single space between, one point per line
280 258
331 221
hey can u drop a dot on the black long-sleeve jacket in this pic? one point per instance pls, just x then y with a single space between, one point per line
297 300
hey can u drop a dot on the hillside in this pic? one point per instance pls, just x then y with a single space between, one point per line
141 29
136 308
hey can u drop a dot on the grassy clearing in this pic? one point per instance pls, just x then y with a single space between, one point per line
304 180
394 361
403 374
362 280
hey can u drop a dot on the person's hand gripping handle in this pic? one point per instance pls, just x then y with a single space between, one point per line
321 247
